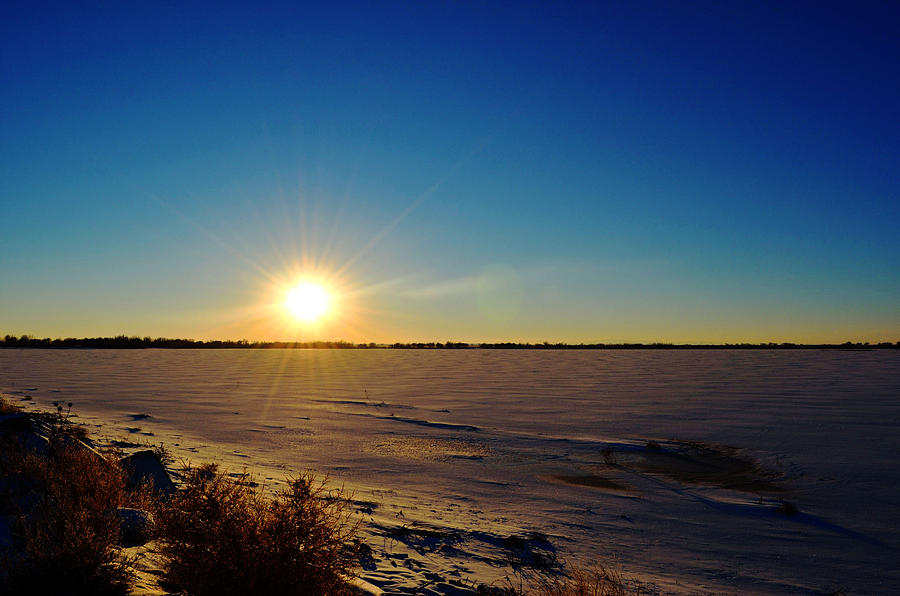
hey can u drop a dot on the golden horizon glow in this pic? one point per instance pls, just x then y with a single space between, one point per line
307 301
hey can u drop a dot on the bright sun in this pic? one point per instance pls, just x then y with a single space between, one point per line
307 301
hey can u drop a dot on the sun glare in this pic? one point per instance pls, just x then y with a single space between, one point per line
307 301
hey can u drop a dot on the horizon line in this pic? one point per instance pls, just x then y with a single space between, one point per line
137 342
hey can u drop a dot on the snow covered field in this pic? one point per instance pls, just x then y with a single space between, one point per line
672 463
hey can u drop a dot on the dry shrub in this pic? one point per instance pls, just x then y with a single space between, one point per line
7 407
68 432
598 581
221 536
64 531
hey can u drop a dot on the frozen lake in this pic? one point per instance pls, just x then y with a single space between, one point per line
593 449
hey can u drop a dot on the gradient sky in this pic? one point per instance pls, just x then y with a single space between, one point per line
635 171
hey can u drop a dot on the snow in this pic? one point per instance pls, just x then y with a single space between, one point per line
465 461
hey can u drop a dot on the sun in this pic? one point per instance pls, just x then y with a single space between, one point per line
307 301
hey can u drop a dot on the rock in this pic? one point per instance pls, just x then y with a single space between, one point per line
22 427
136 525
364 588
144 467
35 442
15 422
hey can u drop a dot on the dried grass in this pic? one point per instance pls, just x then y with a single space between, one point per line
218 535
64 532
7 407
598 581
222 536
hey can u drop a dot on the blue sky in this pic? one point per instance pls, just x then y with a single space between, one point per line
453 170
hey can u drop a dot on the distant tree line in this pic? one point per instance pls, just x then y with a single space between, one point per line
670 346
133 342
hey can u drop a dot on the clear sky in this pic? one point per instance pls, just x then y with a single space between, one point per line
474 171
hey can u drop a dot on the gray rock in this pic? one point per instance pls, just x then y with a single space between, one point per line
144 467
136 525
22 427
364 588
15 422
35 442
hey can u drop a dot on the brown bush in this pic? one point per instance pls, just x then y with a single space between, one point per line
7 407
221 536
596 581
599 581
64 534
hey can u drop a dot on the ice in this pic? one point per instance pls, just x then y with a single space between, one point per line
673 464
